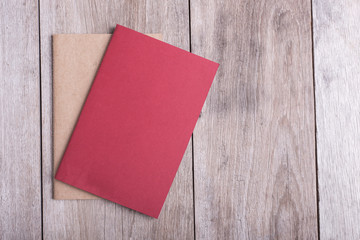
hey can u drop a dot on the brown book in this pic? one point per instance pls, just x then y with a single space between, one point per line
76 58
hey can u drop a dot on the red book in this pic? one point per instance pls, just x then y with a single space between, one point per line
137 121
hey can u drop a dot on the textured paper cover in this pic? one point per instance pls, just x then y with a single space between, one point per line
76 58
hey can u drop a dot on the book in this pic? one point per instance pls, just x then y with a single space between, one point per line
76 59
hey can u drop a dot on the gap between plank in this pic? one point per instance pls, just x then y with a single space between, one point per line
193 178
41 146
315 126
192 135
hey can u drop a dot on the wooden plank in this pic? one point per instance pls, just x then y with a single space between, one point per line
20 185
100 219
254 144
337 74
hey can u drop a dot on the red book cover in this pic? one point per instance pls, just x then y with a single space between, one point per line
137 121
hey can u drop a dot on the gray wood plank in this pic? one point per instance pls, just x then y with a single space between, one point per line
20 185
337 74
100 219
254 144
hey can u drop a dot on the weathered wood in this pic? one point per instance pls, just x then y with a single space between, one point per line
254 145
337 74
100 219
20 185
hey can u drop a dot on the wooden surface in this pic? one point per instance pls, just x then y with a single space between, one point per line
251 164
254 145
20 130
337 75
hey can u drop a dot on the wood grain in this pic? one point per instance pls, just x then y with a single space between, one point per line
254 144
100 219
337 74
20 184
